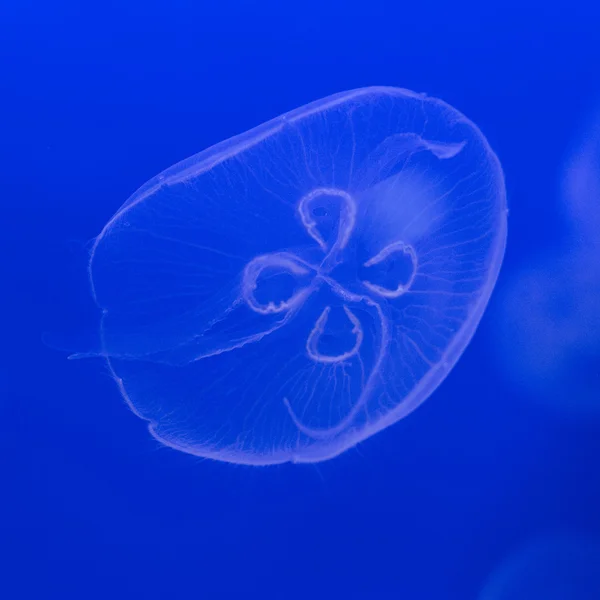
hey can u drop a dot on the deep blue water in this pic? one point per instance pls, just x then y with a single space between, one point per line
97 100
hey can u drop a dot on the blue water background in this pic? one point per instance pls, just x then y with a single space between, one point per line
98 98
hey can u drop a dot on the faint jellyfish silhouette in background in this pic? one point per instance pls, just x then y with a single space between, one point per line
549 323
559 567
293 290
580 186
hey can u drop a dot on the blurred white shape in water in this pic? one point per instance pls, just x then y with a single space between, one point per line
580 186
558 567
549 326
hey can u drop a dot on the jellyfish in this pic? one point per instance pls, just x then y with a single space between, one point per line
579 187
552 567
548 325
291 291
548 329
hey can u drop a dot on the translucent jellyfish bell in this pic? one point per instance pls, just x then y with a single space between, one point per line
293 290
